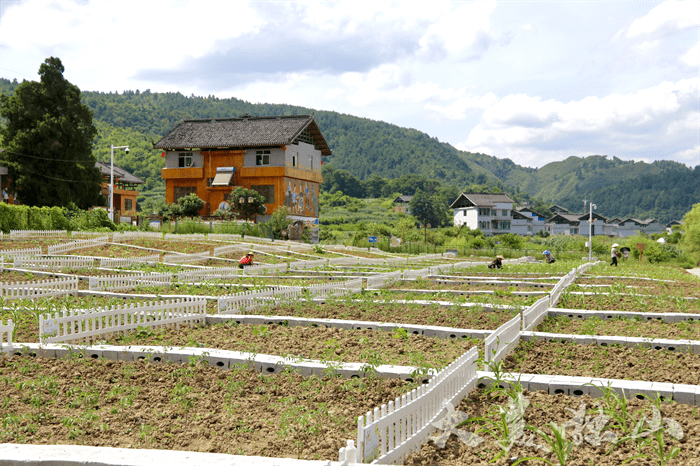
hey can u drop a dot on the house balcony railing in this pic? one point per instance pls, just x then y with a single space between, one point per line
176 173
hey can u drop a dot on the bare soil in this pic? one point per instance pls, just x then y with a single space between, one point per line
689 288
684 330
612 362
452 316
183 407
629 302
373 347
542 410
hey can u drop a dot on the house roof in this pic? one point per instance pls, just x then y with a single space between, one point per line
517 214
673 222
480 200
639 222
246 131
403 199
119 173
557 209
571 219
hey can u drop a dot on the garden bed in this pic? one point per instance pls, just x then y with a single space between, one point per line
683 330
192 407
371 347
593 437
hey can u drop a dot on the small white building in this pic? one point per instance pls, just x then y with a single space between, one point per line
633 226
575 224
490 213
536 223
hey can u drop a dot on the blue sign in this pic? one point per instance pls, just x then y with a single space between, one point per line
372 239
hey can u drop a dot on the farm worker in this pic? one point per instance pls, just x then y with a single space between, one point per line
625 252
496 264
548 257
614 254
246 260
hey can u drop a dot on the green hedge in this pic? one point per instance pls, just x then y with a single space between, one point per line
20 217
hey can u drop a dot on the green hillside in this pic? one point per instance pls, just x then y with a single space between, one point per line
369 149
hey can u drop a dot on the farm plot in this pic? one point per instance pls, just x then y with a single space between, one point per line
497 298
476 317
191 407
620 326
434 284
607 431
330 345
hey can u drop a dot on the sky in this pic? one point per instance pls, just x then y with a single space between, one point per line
535 82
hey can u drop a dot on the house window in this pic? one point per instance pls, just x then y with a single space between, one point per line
295 159
311 162
128 204
209 181
184 159
267 191
262 157
181 191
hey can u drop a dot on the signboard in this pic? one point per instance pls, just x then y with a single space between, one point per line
50 326
372 239
395 242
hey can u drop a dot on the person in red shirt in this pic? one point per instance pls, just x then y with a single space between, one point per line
246 260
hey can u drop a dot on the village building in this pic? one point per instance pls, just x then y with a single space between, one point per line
536 223
278 156
490 213
575 224
401 204
124 194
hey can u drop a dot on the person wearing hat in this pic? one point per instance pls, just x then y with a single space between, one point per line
548 257
613 254
496 263
246 260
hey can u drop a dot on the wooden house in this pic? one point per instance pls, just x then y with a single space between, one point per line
278 156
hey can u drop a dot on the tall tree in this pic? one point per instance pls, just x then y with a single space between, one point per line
47 142
430 209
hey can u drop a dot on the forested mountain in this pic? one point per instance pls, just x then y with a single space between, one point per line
369 149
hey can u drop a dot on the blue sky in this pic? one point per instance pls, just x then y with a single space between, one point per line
535 82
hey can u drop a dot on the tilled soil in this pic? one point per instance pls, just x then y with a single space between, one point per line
684 330
690 288
612 362
372 347
504 287
448 316
542 410
191 407
629 303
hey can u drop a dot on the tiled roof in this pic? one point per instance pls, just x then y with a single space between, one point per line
242 132
482 200
119 173
403 199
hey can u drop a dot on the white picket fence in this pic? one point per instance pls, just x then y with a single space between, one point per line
108 262
400 428
344 261
535 314
39 289
371 261
503 340
232 248
21 252
80 326
381 280
185 258
37 233
80 244
192 236
336 289
413 274
133 235
6 331
54 262
312 264
224 237
249 300
396 261
265 269
202 275
120 282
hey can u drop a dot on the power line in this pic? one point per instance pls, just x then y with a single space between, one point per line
50 159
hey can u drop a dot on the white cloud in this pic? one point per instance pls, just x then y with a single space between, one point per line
692 57
528 128
670 14
647 46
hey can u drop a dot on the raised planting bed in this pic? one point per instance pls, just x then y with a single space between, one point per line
688 288
368 310
183 246
109 250
489 299
637 301
471 285
620 326
613 362
371 347
604 431
192 407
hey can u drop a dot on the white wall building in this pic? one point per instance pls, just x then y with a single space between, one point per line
490 213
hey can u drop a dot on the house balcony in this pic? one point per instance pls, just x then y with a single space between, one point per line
291 172
182 173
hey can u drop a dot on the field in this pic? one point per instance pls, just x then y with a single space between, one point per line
197 407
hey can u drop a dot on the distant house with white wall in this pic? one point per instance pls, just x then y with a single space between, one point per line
490 213
633 226
536 222
521 224
575 224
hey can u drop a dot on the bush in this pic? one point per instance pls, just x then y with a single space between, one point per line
16 217
191 205
94 220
